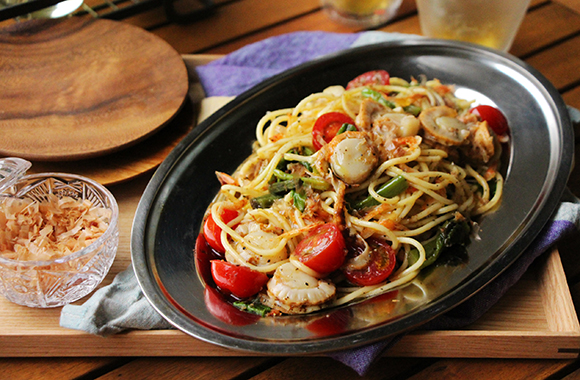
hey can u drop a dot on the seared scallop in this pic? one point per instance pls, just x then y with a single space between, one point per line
292 289
441 125
353 157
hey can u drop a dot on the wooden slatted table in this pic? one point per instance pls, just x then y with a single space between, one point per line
549 40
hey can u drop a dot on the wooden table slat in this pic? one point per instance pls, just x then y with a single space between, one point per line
560 64
572 4
535 33
180 368
482 369
54 368
328 369
233 20
319 21
156 17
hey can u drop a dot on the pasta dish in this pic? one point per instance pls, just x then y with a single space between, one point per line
351 193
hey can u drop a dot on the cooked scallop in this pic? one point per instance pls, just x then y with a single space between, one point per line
376 118
442 125
353 157
402 125
296 289
255 235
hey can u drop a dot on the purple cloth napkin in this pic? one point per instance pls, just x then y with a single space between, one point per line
250 65
254 63
244 68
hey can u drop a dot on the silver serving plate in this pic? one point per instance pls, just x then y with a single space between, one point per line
536 165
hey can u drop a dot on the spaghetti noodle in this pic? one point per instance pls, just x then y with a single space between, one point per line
352 192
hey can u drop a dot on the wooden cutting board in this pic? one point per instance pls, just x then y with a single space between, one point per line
76 88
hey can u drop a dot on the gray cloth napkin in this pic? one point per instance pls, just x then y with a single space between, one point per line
121 305
114 308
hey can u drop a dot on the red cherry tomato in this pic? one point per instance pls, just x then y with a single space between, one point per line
240 281
326 127
370 77
323 250
495 119
379 267
212 231
226 312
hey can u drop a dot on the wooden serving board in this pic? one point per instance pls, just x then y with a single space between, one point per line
535 319
77 88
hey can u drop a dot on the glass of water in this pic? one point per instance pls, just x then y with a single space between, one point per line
492 23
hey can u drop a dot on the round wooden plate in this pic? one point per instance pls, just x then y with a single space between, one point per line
128 163
80 88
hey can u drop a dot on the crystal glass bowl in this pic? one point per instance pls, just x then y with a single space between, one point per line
63 280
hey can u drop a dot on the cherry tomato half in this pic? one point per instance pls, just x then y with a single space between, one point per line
379 267
326 127
494 117
323 250
240 281
370 77
212 231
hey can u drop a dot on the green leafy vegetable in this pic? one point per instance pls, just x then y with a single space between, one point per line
302 151
452 233
413 109
254 307
282 165
307 151
264 201
307 165
389 189
316 183
346 127
283 175
299 200
283 187
377 97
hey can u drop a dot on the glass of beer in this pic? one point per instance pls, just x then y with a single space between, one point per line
492 23
361 13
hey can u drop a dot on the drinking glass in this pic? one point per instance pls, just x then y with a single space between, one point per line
492 23
362 13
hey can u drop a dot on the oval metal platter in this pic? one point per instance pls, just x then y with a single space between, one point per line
536 166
